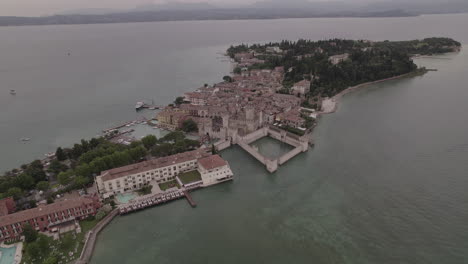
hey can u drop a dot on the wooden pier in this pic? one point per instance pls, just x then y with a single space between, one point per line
190 199
152 107
150 201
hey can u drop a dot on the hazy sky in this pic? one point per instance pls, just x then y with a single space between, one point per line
50 7
45 7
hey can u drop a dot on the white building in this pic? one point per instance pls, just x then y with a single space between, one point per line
338 58
274 49
135 176
214 169
301 87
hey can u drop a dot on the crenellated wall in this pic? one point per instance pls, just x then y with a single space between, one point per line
222 145
291 154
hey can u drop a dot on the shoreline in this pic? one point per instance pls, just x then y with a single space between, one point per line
332 103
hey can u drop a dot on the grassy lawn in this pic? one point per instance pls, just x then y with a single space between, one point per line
60 249
170 184
189 177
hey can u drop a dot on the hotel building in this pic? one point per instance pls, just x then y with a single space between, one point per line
45 217
132 177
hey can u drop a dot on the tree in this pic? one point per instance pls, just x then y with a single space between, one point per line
227 78
162 150
33 249
32 204
64 178
43 243
149 141
94 142
60 154
42 185
77 150
36 170
174 136
14 192
100 215
30 235
189 126
213 149
50 260
56 167
179 100
137 153
237 70
24 181
80 181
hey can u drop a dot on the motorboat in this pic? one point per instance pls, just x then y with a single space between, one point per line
139 105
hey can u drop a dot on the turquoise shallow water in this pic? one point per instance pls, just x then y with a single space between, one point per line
125 197
7 255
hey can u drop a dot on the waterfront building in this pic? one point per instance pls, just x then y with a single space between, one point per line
214 169
135 176
46 217
172 118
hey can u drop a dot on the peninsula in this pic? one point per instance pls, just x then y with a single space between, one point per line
276 90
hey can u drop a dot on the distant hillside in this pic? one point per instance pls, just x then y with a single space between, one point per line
176 15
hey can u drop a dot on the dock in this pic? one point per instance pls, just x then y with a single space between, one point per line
152 107
190 199
150 201
126 124
117 127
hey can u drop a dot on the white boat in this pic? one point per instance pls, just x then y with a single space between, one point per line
25 139
139 105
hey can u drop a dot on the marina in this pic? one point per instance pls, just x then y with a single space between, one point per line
153 200
142 105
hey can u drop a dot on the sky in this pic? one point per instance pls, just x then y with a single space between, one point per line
50 7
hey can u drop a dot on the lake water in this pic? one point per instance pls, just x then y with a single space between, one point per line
385 183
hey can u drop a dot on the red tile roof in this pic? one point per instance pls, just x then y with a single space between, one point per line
152 164
7 206
212 162
44 210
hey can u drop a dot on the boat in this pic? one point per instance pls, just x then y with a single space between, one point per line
12 92
25 139
50 154
139 105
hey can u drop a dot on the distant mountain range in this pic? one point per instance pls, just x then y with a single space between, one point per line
266 9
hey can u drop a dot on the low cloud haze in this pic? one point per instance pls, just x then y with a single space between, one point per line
50 7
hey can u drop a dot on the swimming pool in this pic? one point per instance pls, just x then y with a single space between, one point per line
122 198
7 255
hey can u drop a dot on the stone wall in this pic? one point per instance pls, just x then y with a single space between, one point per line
291 154
222 145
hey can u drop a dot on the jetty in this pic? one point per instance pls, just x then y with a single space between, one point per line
152 107
151 200
190 199
117 127
125 124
